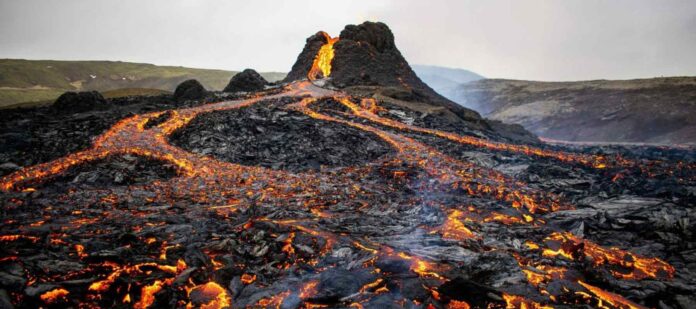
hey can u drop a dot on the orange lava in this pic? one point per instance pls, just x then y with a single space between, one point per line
212 295
147 295
454 228
54 295
612 299
639 267
200 175
458 304
272 302
309 289
248 278
421 267
519 302
589 160
321 67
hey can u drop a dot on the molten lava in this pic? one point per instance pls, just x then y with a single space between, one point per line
321 67
631 266
306 241
54 295
210 296
614 300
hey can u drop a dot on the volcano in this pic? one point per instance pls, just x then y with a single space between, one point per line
351 184
366 55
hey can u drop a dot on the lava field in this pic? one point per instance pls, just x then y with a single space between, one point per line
309 197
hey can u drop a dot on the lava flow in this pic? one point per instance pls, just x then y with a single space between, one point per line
321 67
421 224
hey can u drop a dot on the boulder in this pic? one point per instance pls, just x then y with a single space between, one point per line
78 102
190 90
247 80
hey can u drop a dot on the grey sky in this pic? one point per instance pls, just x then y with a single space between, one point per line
540 40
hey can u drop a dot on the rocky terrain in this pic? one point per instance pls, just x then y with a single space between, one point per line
659 110
339 189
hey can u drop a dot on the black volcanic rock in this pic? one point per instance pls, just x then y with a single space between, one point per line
189 90
247 80
275 138
78 102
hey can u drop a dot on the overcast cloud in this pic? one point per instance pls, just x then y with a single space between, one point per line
539 40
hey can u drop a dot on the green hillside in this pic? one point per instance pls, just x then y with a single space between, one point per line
40 80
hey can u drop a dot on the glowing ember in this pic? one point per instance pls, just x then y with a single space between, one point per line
81 251
421 266
248 278
458 304
309 289
612 299
372 285
147 295
453 228
273 302
54 295
515 302
209 296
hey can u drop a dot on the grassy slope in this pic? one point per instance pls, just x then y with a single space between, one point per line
39 80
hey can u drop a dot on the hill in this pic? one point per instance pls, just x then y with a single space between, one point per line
655 110
40 80
444 80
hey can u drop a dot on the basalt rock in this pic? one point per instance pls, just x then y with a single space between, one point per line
78 102
189 90
247 80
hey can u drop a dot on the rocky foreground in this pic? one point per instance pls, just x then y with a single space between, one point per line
300 196
338 201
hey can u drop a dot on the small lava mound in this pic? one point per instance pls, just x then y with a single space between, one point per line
272 137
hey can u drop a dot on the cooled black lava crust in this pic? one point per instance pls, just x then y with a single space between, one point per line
117 170
269 136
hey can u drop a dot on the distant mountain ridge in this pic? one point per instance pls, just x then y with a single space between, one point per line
653 110
38 80
445 80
